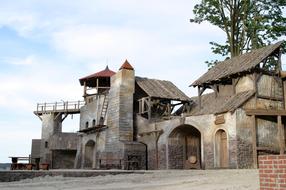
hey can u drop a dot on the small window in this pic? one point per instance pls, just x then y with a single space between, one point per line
86 124
46 144
93 122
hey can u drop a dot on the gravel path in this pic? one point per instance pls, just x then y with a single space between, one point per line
151 180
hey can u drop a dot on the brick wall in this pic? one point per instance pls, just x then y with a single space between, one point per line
272 172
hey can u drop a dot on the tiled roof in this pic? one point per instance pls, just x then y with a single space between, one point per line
101 74
126 65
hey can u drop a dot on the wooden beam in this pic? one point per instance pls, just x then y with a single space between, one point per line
254 141
266 149
199 97
84 89
265 112
200 92
279 60
234 83
270 98
281 135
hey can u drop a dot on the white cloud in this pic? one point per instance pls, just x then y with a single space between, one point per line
29 60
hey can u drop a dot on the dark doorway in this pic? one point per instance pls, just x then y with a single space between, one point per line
89 154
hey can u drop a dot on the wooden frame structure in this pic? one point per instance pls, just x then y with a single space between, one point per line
281 129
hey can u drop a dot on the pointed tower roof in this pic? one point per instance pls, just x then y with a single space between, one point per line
126 65
101 74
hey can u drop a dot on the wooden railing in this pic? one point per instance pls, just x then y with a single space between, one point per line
60 106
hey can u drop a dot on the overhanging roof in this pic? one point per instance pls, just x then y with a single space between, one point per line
161 89
242 63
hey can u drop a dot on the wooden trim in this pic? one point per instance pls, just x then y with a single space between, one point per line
200 92
265 112
270 98
266 149
281 135
254 141
234 83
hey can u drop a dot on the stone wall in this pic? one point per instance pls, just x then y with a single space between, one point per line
50 125
207 127
272 172
244 140
63 159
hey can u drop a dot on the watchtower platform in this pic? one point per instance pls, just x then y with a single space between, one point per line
68 107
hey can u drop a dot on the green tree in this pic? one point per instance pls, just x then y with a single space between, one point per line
248 24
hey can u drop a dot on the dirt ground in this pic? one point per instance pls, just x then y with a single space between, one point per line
151 180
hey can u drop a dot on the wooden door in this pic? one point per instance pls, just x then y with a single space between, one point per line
193 159
223 150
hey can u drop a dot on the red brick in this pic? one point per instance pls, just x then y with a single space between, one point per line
262 175
267 162
282 185
268 171
282 176
281 157
272 157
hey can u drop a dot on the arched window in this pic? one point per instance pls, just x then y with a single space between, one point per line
93 122
46 144
86 124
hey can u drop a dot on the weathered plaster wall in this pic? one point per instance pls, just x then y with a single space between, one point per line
50 125
225 90
244 140
64 141
204 123
91 111
245 83
63 159
120 110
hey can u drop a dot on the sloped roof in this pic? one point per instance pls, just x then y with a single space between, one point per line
126 65
244 62
221 104
101 74
161 89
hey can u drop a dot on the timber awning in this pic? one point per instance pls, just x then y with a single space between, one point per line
161 89
239 64
220 104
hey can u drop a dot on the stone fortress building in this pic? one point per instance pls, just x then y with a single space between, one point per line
130 122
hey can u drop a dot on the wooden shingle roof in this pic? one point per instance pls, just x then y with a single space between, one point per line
221 104
161 89
241 63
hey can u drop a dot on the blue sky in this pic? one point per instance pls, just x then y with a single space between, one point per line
47 45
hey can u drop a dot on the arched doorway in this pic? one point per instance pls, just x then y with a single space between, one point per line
184 148
89 154
221 151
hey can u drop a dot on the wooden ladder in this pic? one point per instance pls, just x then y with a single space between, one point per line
103 110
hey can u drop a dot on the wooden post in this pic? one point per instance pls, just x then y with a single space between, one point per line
140 106
199 96
149 107
97 85
279 60
234 83
281 135
84 91
254 141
